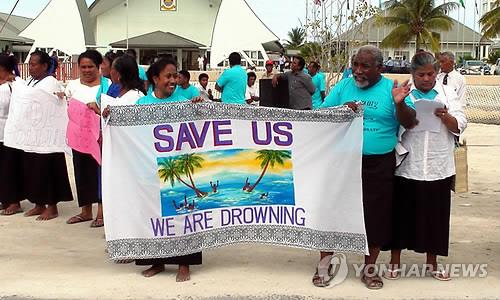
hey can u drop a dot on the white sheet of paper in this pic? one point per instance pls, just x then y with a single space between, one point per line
427 121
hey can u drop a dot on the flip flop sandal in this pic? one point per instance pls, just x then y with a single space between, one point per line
440 275
98 222
392 274
373 283
77 219
322 280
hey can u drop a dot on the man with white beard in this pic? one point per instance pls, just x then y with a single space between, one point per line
385 109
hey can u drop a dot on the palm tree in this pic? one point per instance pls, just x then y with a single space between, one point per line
169 170
491 21
269 157
187 164
417 20
296 38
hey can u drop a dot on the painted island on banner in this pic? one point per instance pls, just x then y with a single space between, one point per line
180 178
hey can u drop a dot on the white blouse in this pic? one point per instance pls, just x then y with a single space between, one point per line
48 84
81 92
129 98
431 154
5 93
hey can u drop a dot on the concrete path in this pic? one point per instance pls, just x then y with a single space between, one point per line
53 260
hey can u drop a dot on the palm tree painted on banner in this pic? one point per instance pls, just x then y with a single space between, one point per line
269 158
491 21
418 20
169 170
188 163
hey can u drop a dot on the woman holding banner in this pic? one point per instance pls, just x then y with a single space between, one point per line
125 73
45 174
87 90
162 75
11 160
421 213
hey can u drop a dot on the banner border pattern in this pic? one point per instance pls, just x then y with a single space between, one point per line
136 115
297 237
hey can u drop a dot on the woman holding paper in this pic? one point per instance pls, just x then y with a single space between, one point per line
11 185
421 216
162 75
87 90
45 174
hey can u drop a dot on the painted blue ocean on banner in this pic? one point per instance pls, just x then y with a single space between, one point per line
229 178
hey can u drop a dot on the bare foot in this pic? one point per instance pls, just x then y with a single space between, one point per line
35 211
183 274
155 269
12 209
49 213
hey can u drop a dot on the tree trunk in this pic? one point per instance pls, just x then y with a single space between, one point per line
199 193
260 178
182 181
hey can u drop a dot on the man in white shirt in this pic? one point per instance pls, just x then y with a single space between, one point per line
252 93
205 92
449 76
200 62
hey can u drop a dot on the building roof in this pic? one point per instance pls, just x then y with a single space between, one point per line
157 39
238 28
368 31
12 29
62 24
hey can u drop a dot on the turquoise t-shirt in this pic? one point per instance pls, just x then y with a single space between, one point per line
151 99
188 93
142 74
319 82
233 82
380 123
430 95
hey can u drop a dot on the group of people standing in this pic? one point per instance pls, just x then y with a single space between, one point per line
405 206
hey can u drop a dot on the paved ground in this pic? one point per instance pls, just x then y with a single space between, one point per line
57 261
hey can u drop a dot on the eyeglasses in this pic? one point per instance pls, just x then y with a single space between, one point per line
445 79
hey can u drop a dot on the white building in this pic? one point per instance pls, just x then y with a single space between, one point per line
486 6
182 28
461 40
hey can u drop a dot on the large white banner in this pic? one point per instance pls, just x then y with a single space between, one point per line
37 120
179 178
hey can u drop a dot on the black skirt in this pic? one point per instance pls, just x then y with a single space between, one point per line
421 215
190 259
11 174
378 187
87 176
46 178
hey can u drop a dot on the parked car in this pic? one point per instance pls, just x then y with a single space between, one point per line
486 69
397 66
472 67
497 67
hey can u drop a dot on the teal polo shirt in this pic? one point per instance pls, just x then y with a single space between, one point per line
380 123
320 85
430 95
189 93
151 99
233 82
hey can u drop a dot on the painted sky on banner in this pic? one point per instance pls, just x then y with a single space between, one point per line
268 11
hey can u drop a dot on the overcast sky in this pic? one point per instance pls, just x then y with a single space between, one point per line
279 15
